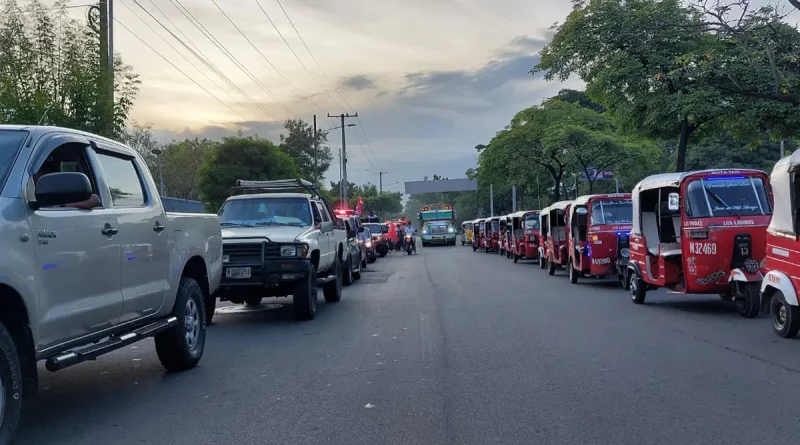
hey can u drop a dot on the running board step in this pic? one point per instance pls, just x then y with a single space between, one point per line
111 344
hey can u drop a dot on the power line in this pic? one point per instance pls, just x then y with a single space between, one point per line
176 68
207 34
176 49
267 60
204 59
360 124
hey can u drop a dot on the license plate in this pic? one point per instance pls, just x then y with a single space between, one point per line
237 273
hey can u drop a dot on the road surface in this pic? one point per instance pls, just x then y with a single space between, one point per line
446 347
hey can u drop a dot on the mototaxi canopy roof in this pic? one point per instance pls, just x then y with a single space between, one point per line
783 219
664 180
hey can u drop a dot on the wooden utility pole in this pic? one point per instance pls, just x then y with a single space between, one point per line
316 173
106 96
343 183
380 181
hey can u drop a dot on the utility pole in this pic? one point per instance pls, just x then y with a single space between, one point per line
315 150
380 181
343 184
106 96
491 200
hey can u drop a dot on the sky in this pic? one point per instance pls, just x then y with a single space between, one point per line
428 79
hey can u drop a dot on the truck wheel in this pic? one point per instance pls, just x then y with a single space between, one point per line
785 317
10 386
181 347
252 301
348 272
304 296
551 268
573 274
637 288
333 289
357 274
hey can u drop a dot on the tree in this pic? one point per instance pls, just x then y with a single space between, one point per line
248 158
299 144
182 163
50 73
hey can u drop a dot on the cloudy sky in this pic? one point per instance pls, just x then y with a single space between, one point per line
429 79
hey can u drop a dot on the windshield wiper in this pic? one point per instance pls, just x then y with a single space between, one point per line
230 224
723 203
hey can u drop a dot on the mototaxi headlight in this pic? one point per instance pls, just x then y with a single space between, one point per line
625 252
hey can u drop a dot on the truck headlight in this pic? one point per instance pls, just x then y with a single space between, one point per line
424 231
450 230
226 259
299 250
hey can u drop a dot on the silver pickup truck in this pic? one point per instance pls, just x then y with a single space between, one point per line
91 262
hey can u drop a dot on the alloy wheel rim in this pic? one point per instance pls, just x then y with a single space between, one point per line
191 323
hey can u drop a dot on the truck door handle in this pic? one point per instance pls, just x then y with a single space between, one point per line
158 227
109 231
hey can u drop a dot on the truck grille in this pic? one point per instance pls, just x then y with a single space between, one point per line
251 253
438 230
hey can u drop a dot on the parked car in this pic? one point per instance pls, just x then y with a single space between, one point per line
278 242
381 244
355 253
91 261
369 246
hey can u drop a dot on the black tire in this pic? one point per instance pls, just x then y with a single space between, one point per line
382 251
372 259
332 290
474 247
178 350
516 258
573 274
463 242
211 306
10 372
364 262
304 296
253 300
357 274
785 324
347 278
551 268
485 249
624 280
637 287
542 263
748 300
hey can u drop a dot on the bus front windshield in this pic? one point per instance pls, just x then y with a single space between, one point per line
532 222
608 211
727 196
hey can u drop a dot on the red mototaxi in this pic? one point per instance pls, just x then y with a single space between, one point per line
504 228
781 283
599 228
478 234
492 231
525 235
555 252
701 232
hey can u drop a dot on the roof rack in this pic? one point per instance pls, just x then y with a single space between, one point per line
278 186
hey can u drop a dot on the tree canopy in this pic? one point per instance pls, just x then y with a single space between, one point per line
312 162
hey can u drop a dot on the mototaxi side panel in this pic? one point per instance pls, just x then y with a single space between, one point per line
599 228
558 235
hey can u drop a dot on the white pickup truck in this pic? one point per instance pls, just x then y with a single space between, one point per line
277 243
91 262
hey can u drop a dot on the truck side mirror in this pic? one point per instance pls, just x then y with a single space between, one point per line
674 202
56 189
326 226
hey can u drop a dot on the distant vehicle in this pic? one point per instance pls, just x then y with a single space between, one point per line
381 244
365 238
437 223
278 243
91 261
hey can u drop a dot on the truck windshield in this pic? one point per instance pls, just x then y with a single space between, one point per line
266 212
10 143
532 222
727 196
374 228
617 211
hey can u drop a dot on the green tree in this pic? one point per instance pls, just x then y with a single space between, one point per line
299 144
248 158
50 72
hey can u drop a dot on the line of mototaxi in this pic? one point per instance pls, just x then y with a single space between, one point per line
727 232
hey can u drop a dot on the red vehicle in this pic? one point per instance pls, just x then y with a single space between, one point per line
780 286
554 224
701 232
478 234
492 234
504 236
525 235
600 226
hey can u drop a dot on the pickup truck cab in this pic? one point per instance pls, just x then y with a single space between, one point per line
278 242
91 262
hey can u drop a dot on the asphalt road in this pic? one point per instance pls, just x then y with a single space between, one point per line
446 347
